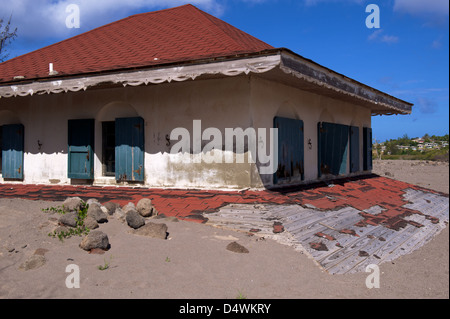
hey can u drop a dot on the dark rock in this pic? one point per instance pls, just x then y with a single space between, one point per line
97 214
69 219
134 219
237 248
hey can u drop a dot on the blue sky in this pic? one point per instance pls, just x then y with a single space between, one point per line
406 57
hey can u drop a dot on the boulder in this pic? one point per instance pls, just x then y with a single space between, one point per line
91 201
145 207
128 207
134 219
72 204
95 239
119 214
154 230
90 223
97 213
111 207
69 219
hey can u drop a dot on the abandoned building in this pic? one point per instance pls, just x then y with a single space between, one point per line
99 108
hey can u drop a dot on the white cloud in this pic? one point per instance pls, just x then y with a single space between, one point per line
421 7
389 39
378 36
46 18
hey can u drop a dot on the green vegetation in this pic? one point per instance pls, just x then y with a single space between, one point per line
429 148
79 230
241 295
105 265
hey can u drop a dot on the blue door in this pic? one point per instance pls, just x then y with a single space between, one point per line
332 148
354 149
367 148
12 151
81 149
290 149
129 150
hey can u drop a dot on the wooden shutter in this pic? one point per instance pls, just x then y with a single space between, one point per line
354 149
367 148
12 151
332 148
81 149
290 149
130 149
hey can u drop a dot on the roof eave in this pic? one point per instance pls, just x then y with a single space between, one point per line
286 60
327 79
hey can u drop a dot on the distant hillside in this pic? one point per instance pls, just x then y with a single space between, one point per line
432 148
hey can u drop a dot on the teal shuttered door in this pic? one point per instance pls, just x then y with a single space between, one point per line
129 150
367 146
12 151
332 148
81 149
354 149
290 149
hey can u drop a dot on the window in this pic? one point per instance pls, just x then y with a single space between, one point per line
108 148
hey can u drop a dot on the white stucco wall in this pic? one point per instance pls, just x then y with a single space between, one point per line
241 101
270 99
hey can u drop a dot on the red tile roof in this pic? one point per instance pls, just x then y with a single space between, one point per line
167 36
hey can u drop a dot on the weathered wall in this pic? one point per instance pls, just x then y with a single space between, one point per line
241 101
270 99
217 103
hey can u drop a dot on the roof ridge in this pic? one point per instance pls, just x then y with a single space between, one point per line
217 21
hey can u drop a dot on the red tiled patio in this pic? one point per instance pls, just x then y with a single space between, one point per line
360 193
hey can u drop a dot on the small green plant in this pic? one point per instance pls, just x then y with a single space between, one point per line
79 230
167 260
241 295
57 209
105 265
